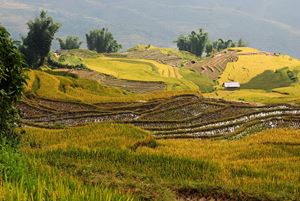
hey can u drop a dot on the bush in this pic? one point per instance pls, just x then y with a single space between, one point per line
12 80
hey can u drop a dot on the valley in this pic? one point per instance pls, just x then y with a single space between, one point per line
136 114
214 119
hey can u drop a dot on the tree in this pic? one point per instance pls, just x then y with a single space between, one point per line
194 43
209 48
241 43
183 43
71 42
102 41
220 44
12 79
36 46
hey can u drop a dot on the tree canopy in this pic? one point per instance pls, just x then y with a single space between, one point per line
194 43
102 41
12 79
198 43
71 42
36 45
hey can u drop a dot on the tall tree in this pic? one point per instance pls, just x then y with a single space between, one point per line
194 43
12 79
36 46
209 48
71 42
102 41
241 43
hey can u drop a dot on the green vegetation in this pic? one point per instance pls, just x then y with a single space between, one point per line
198 43
204 83
36 46
70 43
12 79
65 60
194 43
81 53
269 79
102 41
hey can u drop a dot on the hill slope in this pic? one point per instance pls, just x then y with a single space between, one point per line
265 77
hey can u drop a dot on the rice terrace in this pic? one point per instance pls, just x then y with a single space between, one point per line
210 120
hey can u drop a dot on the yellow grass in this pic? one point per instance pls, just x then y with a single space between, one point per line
249 66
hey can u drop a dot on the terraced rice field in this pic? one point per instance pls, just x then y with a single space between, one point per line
91 87
214 67
250 65
184 116
127 85
140 70
169 56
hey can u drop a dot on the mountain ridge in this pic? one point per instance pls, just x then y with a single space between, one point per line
267 25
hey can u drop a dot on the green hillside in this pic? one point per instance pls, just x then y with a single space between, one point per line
269 79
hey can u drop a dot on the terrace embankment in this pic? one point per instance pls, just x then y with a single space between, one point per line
185 116
213 67
128 85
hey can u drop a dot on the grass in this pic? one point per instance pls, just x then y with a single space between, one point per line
204 83
269 80
264 166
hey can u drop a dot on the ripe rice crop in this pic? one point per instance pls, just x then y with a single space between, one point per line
265 165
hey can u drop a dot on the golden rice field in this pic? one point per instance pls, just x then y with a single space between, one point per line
140 70
66 88
264 166
249 66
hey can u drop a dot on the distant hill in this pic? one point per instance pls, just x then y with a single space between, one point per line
270 25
